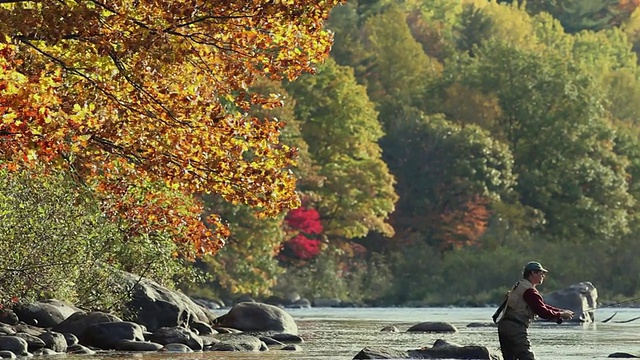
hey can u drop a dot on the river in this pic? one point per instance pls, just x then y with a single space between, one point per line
340 333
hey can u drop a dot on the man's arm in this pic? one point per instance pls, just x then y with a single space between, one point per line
533 298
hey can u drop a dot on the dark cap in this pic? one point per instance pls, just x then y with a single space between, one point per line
534 266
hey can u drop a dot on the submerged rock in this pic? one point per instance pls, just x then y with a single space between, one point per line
441 349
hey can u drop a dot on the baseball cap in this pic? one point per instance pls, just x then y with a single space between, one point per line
534 266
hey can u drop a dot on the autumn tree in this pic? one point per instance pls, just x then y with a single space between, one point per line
447 177
132 94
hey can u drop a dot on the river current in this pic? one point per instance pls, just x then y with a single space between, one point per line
340 333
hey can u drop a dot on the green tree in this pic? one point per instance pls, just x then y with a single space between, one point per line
562 144
246 264
400 71
340 126
578 15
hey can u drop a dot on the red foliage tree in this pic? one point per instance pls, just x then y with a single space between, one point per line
305 224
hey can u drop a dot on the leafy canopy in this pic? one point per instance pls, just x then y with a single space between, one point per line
135 92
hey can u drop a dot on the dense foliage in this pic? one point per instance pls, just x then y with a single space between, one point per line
56 243
442 144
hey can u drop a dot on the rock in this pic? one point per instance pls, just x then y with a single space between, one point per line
441 349
80 349
15 344
622 355
270 341
156 306
177 335
433 327
8 316
287 338
45 313
6 330
226 330
46 351
71 339
238 342
201 328
292 347
54 341
300 304
78 322
134 345
258 317
180 348
381 353
33 343
390 328
581 298
107 335
29 329
6 354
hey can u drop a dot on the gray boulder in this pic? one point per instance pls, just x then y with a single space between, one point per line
16 345
45 313
381 353
108 335
441 349
156 306
581 298
177 335
433 327
258 317
78 322
54 341
238 342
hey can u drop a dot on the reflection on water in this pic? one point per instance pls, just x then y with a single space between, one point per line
341 333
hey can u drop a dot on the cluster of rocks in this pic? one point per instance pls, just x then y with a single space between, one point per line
160 320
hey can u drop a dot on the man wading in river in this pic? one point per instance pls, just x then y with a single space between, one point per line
520 307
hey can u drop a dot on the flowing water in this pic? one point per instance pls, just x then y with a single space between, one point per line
340 333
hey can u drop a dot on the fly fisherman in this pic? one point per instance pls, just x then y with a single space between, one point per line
521 306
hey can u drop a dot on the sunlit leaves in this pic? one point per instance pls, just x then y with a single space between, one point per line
132 93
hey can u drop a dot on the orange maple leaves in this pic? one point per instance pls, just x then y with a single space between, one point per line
128 94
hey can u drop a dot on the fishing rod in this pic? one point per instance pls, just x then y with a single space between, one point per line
611 305
614 314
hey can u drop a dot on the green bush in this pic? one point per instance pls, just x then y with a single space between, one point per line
56 243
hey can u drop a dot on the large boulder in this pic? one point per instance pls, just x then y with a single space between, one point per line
156 306
45 313
77 323
258 317
581 298
107 335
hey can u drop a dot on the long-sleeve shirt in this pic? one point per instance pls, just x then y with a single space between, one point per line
537 304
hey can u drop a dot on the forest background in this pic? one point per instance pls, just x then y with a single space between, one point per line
440 146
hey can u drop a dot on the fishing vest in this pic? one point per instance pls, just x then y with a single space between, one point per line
517 309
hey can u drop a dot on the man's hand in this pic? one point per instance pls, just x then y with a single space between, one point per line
566 314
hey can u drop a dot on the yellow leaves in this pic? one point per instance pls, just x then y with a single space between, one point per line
8 118
157 93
